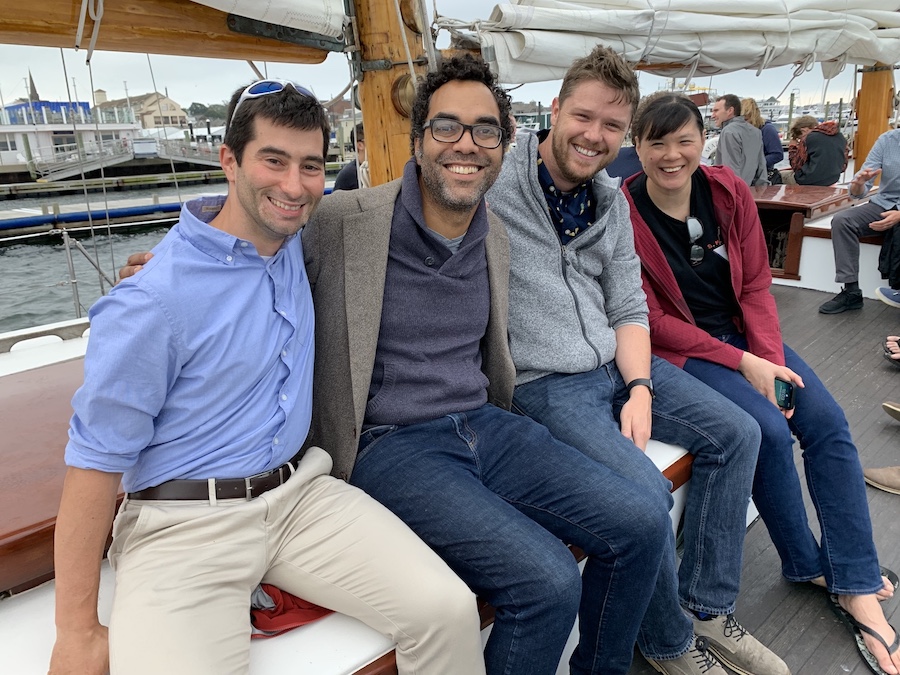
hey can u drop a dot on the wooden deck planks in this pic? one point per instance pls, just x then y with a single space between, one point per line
844 350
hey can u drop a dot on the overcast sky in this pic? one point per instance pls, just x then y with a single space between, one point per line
206 81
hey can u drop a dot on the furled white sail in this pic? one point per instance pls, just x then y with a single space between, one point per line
536 40
324 17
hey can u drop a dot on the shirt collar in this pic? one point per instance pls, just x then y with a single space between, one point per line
194 225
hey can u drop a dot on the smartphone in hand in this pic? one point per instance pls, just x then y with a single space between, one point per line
784 394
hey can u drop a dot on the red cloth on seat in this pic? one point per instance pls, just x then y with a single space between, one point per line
288 613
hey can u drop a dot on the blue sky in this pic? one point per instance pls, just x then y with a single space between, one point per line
211 80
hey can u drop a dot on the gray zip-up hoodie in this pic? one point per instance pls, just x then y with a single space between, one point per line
565 302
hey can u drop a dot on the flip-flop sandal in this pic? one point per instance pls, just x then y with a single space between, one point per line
858 629
886 350
887 357
891 576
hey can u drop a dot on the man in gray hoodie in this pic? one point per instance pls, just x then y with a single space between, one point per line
579 338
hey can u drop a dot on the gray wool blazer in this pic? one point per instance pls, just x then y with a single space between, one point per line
346 249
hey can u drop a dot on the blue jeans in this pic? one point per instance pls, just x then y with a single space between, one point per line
846 555
582 410
493 493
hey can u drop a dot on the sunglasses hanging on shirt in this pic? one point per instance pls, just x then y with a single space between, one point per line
695 231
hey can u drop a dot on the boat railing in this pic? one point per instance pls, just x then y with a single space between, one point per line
39 335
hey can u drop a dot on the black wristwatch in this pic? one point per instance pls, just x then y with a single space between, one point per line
641 382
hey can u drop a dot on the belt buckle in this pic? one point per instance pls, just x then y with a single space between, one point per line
249 487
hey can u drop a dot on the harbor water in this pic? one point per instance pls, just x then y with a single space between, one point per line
35 287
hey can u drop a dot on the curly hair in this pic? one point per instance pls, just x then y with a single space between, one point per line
663 112
287 108
464 67
605 66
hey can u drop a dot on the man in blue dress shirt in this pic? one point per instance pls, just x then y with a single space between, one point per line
197 396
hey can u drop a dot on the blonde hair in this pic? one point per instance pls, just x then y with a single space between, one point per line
751 113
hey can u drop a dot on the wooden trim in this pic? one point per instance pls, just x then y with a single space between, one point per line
173 27
781 274
825 233
384 665
794 244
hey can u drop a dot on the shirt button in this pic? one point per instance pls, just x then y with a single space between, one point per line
284 397
284 352
229 258
243 244
282 313
429 261
275 441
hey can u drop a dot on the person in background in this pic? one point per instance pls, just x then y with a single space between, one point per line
707 279
740 144
876 217
198 395
625 164
349 176
772 149
818 153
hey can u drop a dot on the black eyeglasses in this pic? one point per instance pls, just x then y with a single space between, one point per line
266 87
488 136
695 231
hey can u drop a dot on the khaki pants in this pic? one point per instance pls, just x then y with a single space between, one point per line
185 571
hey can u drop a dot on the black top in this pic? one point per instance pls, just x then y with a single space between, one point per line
626 163
347 178
706 287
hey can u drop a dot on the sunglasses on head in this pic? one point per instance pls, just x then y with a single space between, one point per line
266 87
695 231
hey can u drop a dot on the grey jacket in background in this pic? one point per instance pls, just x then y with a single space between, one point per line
741 150
565 302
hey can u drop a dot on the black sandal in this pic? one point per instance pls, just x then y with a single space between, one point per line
888 354
858 629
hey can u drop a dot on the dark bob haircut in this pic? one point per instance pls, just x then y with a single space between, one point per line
662 113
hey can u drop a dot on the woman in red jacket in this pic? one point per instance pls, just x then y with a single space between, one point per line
706 275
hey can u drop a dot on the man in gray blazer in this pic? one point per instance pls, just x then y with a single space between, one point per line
413 381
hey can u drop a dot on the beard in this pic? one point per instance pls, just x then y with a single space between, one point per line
560 148
460 199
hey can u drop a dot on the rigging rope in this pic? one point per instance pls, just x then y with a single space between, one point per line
171 161
409 59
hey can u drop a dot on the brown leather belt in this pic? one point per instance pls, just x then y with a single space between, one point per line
223 488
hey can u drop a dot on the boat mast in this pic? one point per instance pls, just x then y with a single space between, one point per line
874 104
386 87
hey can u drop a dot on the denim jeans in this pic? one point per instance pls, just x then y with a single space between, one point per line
493 493
582 410
846 555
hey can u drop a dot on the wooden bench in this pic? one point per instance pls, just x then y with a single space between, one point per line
34 413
